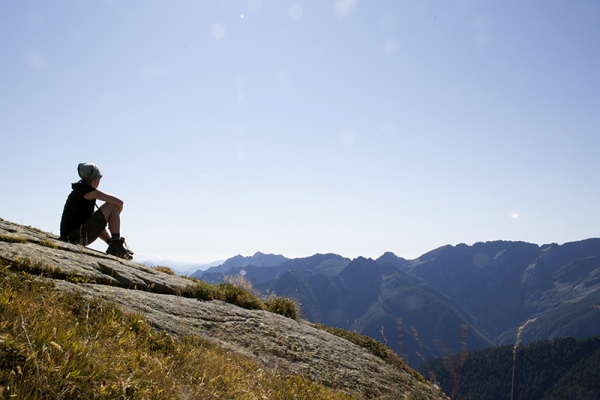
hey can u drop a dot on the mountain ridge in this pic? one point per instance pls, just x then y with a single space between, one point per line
258 260
491 287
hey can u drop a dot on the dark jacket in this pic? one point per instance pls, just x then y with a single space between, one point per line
77 208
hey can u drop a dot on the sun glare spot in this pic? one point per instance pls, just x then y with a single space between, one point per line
388 48
344 7
35 60
480 260
295 12
242 16
514 215
411 303
217 31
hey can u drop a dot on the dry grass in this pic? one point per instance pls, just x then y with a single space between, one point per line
227 292
166 270
242 283
237 290
285 306
56 345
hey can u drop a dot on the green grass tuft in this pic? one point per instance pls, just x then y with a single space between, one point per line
240 292
201 290
34 267
284 306
42 269
13 239
48 243
238 296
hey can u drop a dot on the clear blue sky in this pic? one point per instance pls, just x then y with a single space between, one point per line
299 127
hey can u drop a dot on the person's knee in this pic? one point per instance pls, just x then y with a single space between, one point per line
110 210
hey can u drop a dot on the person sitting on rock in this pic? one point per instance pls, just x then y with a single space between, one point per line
80 224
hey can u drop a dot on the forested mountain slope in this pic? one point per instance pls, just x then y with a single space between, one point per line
559 369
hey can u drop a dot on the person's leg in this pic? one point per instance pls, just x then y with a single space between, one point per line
116 244
113 217
91 229
105 235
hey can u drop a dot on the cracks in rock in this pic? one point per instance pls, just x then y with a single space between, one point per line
124 282
156 287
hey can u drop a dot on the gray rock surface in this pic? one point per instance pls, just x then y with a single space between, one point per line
272 340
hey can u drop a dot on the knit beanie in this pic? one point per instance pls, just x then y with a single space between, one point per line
88 172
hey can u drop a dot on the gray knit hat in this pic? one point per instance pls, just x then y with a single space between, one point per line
88 172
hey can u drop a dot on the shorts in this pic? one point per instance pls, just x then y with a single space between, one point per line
89 231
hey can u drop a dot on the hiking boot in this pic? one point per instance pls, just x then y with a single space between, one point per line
127 249
118 248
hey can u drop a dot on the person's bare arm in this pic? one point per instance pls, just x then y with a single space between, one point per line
107 198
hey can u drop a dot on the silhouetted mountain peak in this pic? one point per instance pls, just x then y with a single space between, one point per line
318 263
363 277
390 258
258 260
363 266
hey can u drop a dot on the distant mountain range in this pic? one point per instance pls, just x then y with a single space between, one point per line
235 264
181 267
449 298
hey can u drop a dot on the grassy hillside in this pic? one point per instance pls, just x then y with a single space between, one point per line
56 345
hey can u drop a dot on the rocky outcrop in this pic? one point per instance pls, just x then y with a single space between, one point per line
270 339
